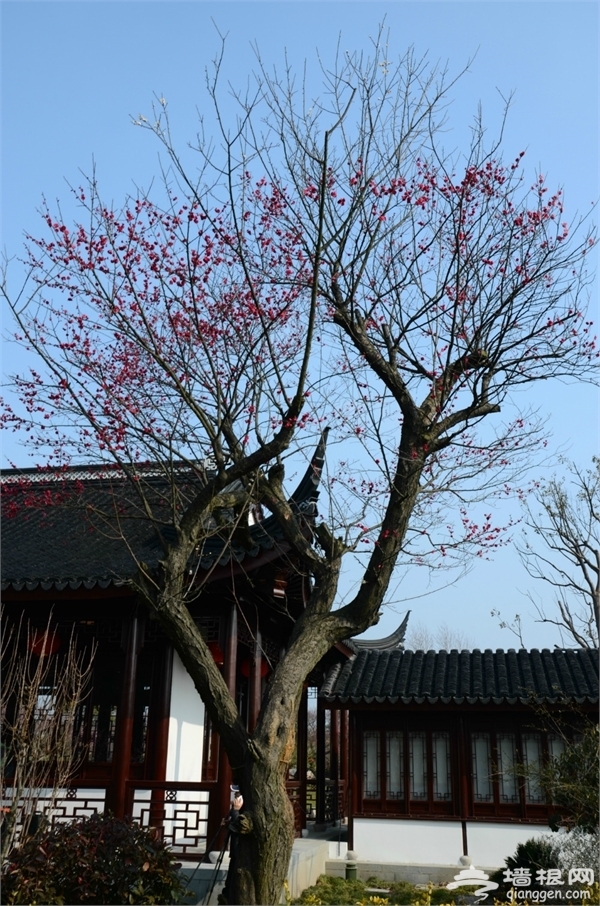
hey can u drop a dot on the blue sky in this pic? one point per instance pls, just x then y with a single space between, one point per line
73 74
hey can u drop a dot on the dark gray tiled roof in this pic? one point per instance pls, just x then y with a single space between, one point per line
53 537
465 676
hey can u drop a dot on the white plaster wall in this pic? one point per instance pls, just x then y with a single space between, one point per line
401 841
490 843
186 727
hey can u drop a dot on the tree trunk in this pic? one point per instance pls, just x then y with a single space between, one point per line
260 859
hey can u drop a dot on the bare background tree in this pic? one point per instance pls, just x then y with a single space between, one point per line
569 777
361 278
424 638
562 548
41 695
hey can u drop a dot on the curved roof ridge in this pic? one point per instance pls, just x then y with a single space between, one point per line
394 640
307 490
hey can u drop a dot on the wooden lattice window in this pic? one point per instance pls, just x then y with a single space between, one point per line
442 776
481 757
508 790
394 742
371 765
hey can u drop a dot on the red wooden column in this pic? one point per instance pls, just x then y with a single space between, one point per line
220 803
255 690
320 763
116 794
354 767
344 778
159 739
334 760
464 767
344 744
302 751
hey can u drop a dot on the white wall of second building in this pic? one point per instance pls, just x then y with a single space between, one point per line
405 841
423 842
489 843
186 727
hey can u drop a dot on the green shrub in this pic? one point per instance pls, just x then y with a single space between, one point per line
537 852
93 860
333 891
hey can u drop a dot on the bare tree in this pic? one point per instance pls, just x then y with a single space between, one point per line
41 695
564 518
569 775
360 279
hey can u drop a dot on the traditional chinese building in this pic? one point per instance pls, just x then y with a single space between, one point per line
417 749
70 545
440 743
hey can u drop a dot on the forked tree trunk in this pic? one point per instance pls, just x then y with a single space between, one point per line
260 857
259 864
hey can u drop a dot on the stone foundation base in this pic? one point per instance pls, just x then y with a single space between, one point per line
391 871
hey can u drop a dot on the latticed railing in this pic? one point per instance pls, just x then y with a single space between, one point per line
179 811
335 800
56 806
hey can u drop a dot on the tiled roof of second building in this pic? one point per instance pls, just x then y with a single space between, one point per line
465 676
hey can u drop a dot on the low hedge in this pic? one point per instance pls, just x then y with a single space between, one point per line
329 891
